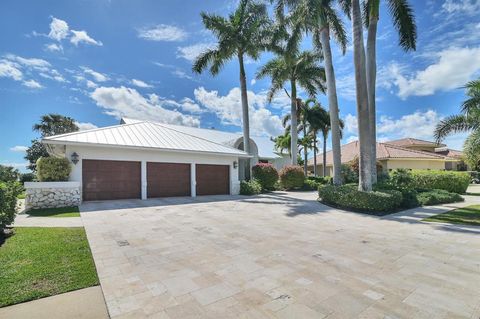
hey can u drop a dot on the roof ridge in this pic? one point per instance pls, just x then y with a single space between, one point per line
201 138
88 131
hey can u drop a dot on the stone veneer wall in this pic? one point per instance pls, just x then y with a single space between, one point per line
52 194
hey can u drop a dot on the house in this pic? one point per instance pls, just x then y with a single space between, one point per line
408 153
144 159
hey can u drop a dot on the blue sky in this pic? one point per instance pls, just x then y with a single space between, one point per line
99 60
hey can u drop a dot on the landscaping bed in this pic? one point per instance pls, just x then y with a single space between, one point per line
469 215
40 262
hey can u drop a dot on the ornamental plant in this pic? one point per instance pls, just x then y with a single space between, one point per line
53 169
8 201
292 177
266 175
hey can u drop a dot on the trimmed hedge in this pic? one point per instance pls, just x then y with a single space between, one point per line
266 175
8 202
53 169
438 196
292 177
455 182
349 197
251 187
313 182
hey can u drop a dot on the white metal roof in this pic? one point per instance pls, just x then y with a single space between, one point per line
145 134
266 148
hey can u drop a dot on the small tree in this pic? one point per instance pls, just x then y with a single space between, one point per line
292 177
8 174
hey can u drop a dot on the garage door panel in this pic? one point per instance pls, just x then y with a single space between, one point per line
168 179
212 179
104 180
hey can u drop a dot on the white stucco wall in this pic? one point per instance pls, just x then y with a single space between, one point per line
144 156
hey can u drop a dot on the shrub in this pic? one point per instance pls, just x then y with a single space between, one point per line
53 169
438 196
474 177
8 202
401 178
266 175
292 177
348 174
313 182
27 177
251 187
347 196
455 182
321 179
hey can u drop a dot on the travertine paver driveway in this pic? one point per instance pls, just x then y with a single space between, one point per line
280 255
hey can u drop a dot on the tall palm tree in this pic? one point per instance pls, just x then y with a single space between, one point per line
404 22
467 121
54 124
242 34
321 19
298 68
365 165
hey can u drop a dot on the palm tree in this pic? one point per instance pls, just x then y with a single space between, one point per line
242 34
404 22
467 121
319 121
282 143
54 124
293 66
321 18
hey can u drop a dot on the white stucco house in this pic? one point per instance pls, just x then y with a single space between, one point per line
144 159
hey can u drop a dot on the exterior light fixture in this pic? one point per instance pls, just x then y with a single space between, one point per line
74 157
235 164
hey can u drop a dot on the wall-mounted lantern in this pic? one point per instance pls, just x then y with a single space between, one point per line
235 164
74 157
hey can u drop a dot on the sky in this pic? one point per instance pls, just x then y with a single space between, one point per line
99 60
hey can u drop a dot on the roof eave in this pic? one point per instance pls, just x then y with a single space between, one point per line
50 141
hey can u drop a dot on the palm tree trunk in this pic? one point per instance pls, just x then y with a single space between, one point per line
315 173
365 166
245 122
324 155
332 104
305 148
371 65
294 123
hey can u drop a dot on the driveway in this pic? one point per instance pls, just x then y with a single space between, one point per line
280 255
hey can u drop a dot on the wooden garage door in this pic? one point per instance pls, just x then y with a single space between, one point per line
104 180
212 179
168 179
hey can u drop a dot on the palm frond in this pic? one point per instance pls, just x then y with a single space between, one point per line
404 21
455 124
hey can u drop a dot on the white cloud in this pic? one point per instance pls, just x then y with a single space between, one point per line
19 149
83 126
11 70
189 105
253 81
141 84
454 67
162 32
83 37
53 47
99 77
229 110
58 29
33 63
91 84
461 6
32 84
127 102
177 72
191 52
351 123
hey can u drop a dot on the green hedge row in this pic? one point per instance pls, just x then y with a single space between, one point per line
438 196
53 169
349 197
455 182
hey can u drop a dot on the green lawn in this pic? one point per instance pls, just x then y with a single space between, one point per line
39 262
469 215
55 212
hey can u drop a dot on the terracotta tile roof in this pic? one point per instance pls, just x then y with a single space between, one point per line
384 151
449 153
405 142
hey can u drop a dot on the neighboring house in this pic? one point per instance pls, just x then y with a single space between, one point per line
408 153
144 159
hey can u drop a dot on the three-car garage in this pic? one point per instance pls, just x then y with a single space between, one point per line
107 179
